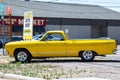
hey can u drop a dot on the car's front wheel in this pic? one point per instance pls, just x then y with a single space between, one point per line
87 55
22 56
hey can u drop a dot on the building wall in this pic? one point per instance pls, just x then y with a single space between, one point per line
114 32
75 28
73 31
77 31
52 27
78 28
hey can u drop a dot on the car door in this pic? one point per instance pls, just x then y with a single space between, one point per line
52 47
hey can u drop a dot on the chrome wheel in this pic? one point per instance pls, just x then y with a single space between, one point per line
87 56
22 56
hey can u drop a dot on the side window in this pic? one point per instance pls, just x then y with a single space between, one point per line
54 37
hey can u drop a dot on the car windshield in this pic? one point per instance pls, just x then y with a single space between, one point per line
36 37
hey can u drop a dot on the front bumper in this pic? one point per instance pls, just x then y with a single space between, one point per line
115 51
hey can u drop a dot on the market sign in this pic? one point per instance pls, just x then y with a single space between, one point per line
18 21
28 25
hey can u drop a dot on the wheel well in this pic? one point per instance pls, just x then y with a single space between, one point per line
22 49
90 50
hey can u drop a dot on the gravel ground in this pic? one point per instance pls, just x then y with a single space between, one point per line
102 67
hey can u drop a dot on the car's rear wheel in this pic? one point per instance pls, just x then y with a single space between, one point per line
22 56
87 55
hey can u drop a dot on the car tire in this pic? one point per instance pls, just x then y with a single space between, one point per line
22 56
87 56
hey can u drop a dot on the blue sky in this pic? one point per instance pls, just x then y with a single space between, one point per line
111 4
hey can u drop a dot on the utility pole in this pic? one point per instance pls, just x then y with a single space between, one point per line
9 14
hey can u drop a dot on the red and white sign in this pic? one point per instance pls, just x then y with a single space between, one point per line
8 10
18 21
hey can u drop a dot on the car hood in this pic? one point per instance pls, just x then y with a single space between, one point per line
21 42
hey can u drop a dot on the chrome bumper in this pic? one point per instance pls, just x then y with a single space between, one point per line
115 51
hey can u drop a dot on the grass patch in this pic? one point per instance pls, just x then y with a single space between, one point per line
45 71
32 70
41 70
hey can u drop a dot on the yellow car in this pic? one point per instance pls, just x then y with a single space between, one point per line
60 46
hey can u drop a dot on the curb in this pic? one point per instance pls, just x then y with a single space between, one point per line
17 77
88 78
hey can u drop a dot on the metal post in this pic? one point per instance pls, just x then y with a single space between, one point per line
10 25
10 28
3 34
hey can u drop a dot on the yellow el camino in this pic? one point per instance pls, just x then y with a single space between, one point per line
60 46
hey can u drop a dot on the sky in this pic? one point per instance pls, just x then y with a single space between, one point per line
110 4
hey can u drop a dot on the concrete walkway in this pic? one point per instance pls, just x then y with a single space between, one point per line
16 77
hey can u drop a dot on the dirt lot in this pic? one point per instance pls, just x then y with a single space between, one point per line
102 67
